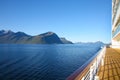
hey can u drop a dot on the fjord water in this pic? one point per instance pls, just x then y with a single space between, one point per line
43 62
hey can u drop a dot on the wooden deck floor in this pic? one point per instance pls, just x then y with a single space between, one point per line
111 68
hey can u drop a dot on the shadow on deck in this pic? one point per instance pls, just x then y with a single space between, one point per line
111 68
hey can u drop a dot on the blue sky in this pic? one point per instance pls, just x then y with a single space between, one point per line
77 20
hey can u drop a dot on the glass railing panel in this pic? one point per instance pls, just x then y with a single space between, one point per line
116 31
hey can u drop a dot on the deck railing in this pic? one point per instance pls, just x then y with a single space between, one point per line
88 70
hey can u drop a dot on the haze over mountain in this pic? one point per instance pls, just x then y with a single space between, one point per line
65 41
10 37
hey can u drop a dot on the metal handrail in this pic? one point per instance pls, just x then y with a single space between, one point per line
88 70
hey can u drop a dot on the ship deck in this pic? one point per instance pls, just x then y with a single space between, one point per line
111 68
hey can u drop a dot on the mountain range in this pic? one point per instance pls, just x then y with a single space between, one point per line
10 37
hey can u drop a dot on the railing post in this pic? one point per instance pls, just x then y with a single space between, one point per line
96 64
83 78
103 55
102 62
96 78
91 73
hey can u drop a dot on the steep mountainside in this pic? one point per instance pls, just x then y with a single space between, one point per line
22 38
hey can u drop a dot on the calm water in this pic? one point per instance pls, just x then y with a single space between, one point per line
42 62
